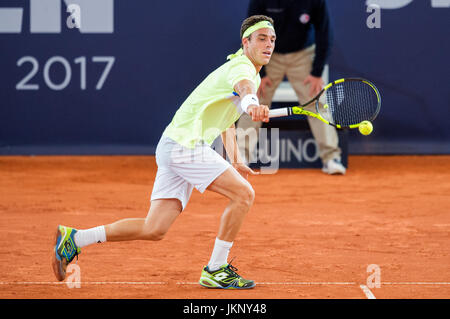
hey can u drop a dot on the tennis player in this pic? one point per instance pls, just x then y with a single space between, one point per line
185 160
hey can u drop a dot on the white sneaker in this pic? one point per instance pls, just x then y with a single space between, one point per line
333 167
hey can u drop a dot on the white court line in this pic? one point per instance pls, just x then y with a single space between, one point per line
4 283
286 283
163 283
307 283
416 283
367 292
83 283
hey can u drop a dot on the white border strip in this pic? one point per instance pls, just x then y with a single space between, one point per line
367 292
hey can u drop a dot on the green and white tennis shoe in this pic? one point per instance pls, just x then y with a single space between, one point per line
224 278
65 251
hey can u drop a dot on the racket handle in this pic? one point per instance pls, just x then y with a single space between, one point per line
279 112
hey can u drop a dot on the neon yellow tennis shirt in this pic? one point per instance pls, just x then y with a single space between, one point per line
213 106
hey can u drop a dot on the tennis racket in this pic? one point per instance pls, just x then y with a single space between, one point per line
347 103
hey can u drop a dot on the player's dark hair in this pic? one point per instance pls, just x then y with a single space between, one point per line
247 23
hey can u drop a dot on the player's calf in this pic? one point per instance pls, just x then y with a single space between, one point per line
153 234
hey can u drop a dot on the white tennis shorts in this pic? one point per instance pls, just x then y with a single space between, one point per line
180 169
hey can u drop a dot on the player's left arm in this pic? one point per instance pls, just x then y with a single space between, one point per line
232 150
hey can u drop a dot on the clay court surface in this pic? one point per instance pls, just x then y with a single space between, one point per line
308 235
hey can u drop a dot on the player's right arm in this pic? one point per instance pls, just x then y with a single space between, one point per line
250 102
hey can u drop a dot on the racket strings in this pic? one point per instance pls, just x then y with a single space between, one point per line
350 102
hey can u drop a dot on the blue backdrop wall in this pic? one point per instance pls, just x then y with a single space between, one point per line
111 86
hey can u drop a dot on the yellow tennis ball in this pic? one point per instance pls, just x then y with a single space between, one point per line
365 128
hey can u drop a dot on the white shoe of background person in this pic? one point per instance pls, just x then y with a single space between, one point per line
334 167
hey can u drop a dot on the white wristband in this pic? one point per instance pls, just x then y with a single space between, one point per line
249 99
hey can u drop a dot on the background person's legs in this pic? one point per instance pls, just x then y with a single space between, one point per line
325 135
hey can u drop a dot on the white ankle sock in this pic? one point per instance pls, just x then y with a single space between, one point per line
219 255
90 236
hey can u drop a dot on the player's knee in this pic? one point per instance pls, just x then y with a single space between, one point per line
246 196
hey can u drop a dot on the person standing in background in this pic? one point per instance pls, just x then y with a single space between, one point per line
302 47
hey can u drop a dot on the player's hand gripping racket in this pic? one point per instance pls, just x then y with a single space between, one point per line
346 103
